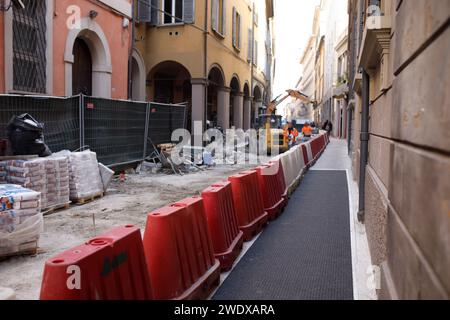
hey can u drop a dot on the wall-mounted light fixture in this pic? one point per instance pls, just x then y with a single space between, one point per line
125 23
93 14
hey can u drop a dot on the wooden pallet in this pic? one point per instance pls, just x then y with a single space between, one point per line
51 210
85 200
29 251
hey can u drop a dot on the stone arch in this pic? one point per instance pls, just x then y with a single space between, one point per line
90 32
257 104
138 77
246 90
236 103
247 118
169 82
217 96
216 73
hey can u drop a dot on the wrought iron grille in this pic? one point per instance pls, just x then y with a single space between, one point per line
29 46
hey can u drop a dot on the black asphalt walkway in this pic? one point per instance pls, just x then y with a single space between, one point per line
306 253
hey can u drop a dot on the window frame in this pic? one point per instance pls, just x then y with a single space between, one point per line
173 17
221 18
237 29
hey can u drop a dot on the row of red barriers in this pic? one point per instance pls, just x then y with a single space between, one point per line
185 245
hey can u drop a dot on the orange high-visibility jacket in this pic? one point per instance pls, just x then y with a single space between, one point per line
294 133
307 130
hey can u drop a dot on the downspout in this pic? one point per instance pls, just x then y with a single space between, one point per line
349 126
205 64
364 144
252 80
130 58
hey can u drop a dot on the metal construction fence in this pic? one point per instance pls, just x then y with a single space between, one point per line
119 131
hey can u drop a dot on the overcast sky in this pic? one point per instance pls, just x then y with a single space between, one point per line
293 26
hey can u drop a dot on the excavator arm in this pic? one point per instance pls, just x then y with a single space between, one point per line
272 107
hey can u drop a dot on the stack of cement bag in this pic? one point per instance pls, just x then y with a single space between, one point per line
3 172
29 174
85 179
57 172
20 219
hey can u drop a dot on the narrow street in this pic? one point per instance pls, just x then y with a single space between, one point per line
308 253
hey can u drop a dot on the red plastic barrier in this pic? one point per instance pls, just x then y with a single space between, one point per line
305 154
317 146
248 203
226 237
271 190
109 267
281 180
179 252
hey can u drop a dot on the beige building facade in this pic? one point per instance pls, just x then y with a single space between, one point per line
211 54
400 142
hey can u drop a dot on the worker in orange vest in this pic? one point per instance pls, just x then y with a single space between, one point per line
307 132
291 134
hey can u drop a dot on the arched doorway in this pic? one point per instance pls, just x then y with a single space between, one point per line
88 38
235 113
138 75
215 87
170 82
247 107
81 69
257 105
166 83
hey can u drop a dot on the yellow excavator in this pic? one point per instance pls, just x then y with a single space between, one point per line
272 123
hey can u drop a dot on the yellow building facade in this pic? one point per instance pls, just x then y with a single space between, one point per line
211 54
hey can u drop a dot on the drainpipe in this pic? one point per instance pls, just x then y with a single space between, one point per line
130 58
205 63
252 80
364 144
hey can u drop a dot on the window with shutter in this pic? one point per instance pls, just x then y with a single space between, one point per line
144 11
215 15
155 12
29 46
189 11
223 15
218 17
236 29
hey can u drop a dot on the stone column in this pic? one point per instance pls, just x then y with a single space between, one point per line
198 106
238 108
247 113
223 109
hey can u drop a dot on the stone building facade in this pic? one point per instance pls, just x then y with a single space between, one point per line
398 54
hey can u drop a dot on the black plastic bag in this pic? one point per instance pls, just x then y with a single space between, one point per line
27 136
